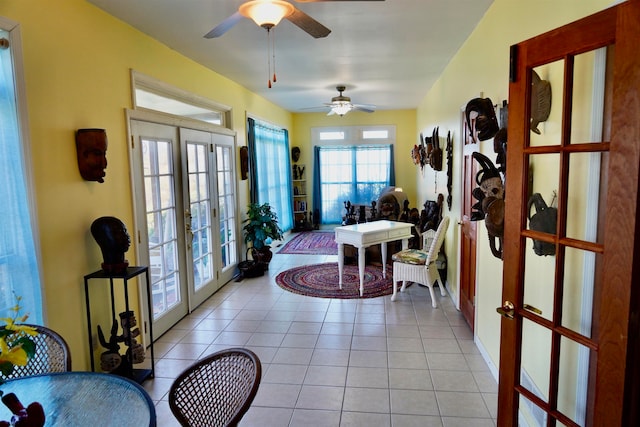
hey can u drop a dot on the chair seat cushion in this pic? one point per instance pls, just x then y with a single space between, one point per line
411 256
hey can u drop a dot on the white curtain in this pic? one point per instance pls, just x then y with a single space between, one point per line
19 275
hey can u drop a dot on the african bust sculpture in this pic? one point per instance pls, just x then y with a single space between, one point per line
111 235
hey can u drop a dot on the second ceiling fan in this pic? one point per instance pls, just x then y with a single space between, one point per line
268 13
341 105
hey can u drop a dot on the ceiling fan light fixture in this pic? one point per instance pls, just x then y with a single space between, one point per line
266 13
341 108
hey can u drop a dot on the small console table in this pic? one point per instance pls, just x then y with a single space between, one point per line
138 375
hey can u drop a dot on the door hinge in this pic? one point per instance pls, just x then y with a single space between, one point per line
133 144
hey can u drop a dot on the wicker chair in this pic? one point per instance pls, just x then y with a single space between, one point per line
419 266
52 355
217 390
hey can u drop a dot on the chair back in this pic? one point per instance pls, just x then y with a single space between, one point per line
52 354
216 390
437 241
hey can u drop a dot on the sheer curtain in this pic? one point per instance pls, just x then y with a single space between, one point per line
270 170
19 266
356 173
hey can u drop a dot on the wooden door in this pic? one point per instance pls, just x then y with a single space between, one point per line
569 333
468 229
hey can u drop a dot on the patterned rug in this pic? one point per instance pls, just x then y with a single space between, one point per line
321 280
311 243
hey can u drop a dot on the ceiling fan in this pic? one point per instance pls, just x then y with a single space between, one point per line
341 104
268 13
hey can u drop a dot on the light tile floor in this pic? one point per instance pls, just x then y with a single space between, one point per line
325 362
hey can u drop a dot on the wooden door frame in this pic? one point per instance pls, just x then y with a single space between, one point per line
617 377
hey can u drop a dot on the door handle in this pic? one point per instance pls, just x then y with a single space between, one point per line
532 308
506 310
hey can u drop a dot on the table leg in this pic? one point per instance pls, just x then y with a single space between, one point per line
405 244
383 249
361 252
340 262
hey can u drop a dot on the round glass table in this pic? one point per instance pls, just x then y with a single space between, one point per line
84 399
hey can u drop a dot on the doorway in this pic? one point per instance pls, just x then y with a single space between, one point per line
186 214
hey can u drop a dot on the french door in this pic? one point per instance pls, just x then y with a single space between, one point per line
569 332
186 217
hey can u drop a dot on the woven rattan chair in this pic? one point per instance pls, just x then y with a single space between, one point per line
52 355
419 266
217 390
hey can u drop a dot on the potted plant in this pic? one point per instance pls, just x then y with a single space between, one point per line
261 224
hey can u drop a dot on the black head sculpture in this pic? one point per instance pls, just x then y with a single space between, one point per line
111 235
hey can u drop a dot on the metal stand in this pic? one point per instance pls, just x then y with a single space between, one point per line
138 375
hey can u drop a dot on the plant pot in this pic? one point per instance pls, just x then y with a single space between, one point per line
251 268
262 256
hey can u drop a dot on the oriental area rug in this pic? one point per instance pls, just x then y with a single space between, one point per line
311 243
321 281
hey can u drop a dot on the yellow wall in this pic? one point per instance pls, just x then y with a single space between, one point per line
480 68
403 120
77 62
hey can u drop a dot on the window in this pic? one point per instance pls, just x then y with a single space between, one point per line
19 264
354 173
155 95
352 163
271 170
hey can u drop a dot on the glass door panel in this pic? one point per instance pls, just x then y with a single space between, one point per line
227 207
156 178
210 220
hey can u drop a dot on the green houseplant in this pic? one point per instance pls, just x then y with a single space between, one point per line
261 224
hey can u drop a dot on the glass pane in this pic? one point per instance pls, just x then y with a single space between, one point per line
161 225
531 414
579 284
573 380
546 104
544 172
587 109
164 158
166 103
539 281
166 191
584 204
536 362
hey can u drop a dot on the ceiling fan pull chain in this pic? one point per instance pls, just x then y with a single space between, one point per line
273 52
269 57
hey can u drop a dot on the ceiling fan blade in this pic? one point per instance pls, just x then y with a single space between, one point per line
308 24
364 108
224 26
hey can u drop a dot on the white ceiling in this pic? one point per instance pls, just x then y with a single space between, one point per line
387 53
